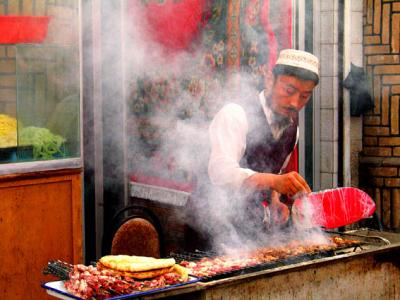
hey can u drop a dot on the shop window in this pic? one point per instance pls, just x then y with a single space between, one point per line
39 82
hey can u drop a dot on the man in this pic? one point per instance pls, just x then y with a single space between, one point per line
251 144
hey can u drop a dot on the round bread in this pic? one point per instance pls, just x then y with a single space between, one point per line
130 263
137 275
136 236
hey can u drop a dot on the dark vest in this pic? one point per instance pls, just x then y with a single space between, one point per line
264 153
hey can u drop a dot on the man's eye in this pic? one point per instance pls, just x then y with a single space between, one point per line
290 90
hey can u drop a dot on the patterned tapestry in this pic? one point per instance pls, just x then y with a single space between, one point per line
234 43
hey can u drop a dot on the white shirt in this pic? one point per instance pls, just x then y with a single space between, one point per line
227 133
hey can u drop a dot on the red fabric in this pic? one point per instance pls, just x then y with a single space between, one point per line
286 37
334 208
174 24
272 43
293 164
285 34
286 31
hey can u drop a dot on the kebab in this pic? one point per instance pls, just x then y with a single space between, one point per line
116 275
211 266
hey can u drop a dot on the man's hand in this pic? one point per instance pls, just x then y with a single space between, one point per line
287 184
290 184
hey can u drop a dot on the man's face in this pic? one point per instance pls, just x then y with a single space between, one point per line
289 94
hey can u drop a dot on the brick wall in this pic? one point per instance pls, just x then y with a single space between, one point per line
380 157
61 31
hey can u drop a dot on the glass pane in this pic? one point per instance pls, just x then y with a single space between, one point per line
39 80
48 100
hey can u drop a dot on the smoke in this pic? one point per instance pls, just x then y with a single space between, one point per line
169 98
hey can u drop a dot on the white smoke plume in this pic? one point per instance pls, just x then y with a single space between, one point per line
178 130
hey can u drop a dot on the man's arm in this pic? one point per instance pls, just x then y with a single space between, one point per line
228 142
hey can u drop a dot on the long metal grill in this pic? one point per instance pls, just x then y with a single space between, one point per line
248 269
199 255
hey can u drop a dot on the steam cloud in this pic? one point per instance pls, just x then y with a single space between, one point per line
165 136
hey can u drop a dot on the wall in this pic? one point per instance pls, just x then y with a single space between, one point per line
380 160
326 123
326 43
356 57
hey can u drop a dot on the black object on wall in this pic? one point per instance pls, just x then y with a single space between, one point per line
360 97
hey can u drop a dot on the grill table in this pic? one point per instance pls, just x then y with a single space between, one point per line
369 273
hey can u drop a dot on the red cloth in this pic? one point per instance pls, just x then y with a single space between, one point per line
286 37
293 164
272 43
173 24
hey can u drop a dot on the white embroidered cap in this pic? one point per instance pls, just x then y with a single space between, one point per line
299 59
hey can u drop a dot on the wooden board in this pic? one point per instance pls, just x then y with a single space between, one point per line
40 220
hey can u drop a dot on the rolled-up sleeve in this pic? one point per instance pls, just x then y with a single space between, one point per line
228 142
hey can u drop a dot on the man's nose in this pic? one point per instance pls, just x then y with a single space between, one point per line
295 101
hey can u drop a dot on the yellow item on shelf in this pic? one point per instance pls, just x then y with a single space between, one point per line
8 131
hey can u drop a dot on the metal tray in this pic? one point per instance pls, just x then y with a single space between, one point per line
57 289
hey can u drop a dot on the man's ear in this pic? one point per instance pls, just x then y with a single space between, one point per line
268 80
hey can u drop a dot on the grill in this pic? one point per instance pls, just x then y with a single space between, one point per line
248 269
361 243
58 268
368 269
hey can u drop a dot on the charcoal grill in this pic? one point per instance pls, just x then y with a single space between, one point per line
368 270
250 269
363 243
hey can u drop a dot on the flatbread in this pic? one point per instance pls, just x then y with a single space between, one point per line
181 271
128 263
138 275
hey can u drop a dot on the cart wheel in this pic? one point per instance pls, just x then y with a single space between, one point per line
136 236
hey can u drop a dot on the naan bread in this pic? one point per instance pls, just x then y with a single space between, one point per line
138 275
130 263
181 271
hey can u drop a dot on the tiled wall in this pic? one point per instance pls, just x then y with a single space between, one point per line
326 100
356 57
61 31
327 35
380 162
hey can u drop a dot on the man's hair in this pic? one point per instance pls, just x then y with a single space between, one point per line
300 73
